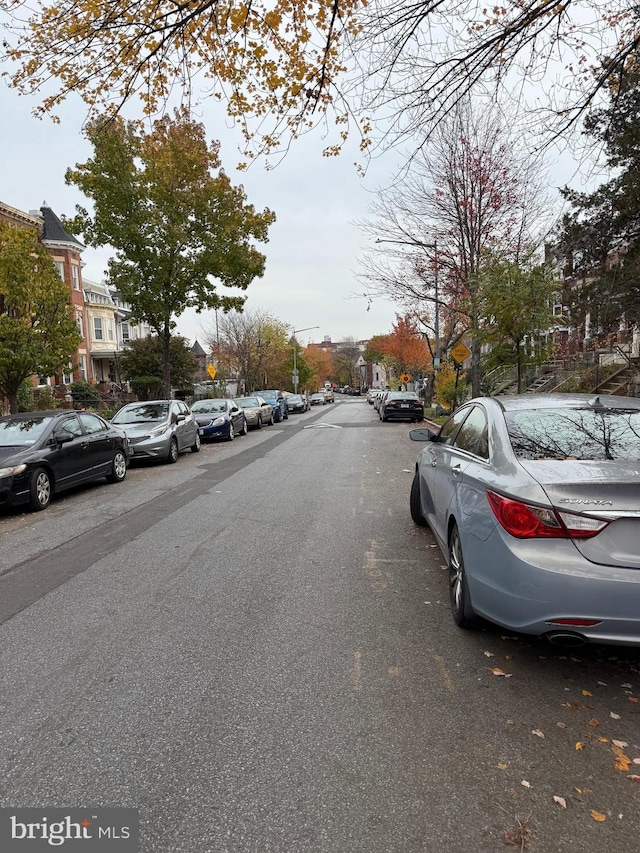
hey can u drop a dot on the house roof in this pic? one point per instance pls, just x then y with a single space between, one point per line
54 231
196 349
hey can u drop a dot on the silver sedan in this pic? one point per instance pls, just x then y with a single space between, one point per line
535 502
158 429
256 411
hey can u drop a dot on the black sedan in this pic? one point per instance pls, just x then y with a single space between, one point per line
297 403
42 453
401 406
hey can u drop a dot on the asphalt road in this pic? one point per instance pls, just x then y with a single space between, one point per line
254 648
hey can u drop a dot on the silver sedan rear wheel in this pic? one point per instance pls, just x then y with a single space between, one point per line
459 598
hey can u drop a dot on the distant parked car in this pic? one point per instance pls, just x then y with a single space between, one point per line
297 403
42 453
317 399
219 418
256 411
328 395
158 429
402 406
278 403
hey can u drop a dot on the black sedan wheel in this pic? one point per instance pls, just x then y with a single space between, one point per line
118 468
414 502
459 598
40 489
173 451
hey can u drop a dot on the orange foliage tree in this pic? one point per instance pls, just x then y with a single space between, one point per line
321 363
403 350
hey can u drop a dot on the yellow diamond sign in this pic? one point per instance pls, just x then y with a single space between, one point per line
460 352
211 371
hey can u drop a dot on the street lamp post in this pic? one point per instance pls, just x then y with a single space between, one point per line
295 351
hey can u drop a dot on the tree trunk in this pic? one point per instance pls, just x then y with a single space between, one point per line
166 362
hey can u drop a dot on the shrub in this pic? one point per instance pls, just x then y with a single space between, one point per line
85 395
146 387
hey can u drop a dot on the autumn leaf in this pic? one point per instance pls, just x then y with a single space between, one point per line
586 693
620 743
580 745
560 801
598 816
502 766
525 784
497 671
593 723
537 732
614 716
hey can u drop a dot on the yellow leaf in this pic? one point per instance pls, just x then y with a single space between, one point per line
580 745
586 693
593 723
598 815
502 766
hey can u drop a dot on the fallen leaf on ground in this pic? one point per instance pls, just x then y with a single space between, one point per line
537 732
580 745
620 743
502 766
488 654
598 815
560 801
626 684
633 699
497 671
634 777
593 723
561 725
586 693
525 784
614 716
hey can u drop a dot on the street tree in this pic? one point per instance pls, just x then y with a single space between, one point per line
144 358
321 364
177 225
253 346
599 241
284 66
38 333
345 362
403 350
517 310
472 189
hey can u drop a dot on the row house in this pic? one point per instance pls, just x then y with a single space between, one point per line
103 319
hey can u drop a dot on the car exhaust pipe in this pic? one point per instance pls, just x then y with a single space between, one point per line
567 639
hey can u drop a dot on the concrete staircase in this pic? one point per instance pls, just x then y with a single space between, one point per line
618 383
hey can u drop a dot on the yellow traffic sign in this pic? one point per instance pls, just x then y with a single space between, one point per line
405 378
460 352
211 371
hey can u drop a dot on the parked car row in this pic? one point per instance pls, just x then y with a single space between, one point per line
42 453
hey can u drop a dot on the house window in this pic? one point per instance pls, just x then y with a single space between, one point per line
75 275
79 322
97 328
43 380
110 329
60 268
125 332
83 367
67 376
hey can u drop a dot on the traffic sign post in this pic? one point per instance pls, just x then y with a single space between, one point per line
460 353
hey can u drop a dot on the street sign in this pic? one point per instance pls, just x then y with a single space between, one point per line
405 377
295 374
211 371
460 352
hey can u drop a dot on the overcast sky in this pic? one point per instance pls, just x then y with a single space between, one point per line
314 244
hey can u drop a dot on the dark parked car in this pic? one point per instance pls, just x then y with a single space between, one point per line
278 403
42 453
158 429
219 419
535 501
297 403
401 406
